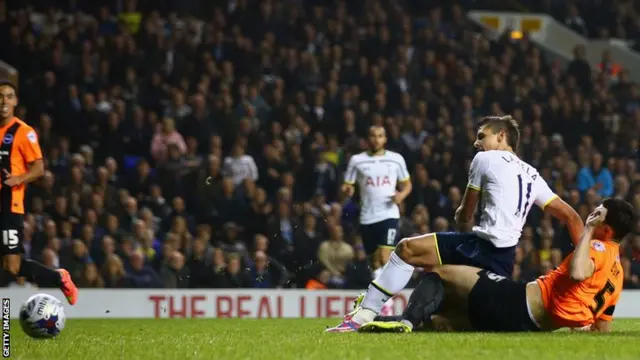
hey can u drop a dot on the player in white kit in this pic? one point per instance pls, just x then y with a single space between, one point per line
509 189
379 174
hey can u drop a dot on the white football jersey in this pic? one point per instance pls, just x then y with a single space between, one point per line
509 188
377 177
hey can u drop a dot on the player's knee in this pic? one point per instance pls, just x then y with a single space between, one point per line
11 264
404 249
419 249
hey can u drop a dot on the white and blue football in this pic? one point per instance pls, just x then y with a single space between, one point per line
42 316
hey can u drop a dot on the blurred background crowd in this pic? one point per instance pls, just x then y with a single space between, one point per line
201 144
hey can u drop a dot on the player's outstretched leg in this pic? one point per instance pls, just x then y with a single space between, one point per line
424 301
43 276
411 252
381 256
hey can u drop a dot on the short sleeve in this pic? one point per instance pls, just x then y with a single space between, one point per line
29 146
403 172
544 195
597 253
351 173
479 167
607 315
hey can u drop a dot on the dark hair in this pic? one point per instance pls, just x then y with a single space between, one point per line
506 123
620 217
9 84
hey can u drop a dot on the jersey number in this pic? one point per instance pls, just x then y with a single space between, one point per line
524 191
391 237
495 277
10 238
608 289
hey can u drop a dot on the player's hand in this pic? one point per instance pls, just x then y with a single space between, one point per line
397 199
11 180
597 216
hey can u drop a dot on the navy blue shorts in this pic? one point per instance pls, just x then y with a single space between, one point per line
472 250
12 228
499 305
380 234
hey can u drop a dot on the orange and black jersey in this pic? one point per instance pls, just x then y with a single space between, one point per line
18 149
575 304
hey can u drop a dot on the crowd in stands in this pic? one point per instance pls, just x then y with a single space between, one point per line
595 19
207 152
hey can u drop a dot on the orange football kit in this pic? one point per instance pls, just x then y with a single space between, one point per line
577 304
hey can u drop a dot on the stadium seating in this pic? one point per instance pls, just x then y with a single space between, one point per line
203 147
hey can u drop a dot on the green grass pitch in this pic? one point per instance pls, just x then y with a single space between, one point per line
229 339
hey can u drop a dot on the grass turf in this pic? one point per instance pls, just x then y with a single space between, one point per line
228 339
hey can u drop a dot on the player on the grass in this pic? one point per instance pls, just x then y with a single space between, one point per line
378 173
580 294
21 163
509 188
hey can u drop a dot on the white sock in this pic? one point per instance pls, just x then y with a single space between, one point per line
377 272
364 316
393 278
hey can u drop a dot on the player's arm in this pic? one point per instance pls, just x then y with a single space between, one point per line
348 186
603 323
601 326
33 156
36 171
562 211
582 264
552 204
464 214
404 182
405 188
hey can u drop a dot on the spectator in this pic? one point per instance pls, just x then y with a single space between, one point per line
114 273
306 244
239 166
596 177
164 137
575 21
277 270
216 277
91 278
197 263
580 69
235 277
358 274
335 254
319 281
261 273
239 130
174 274
142 275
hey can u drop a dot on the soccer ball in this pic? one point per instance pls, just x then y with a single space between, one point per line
42 316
